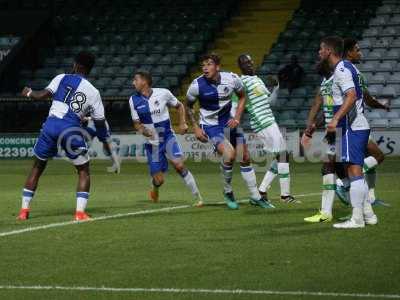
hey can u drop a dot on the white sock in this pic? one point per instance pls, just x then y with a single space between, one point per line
226 171
328 193
81 200
27 196
249 176
114 158
371 196
284 178
367 209
369 163
358 195
191 184
269 177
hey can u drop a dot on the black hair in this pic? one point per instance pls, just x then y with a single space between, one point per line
324 69
334 42
212 56
348 45
86 60
146 76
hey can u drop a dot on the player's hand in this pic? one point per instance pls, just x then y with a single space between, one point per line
200 134
183 128
385 103
148 133
26 91
233 123
332 125
306 141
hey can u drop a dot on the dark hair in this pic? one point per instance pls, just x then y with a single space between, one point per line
213 56
86 60
324 69
146 76
334 42
348 45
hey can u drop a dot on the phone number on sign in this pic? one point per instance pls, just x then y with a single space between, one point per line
16 152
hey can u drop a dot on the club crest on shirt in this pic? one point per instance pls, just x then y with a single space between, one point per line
157 103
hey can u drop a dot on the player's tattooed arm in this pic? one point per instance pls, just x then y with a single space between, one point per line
183 127
373 102
198 132
312 115
37 95
239 110
139 127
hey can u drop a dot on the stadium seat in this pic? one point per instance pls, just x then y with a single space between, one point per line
389 91
379 123
395 123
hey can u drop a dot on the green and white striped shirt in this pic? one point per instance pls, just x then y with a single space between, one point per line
326 94
258 99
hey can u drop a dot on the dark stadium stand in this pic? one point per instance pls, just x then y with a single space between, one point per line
166 40
164 37
167 37
312 21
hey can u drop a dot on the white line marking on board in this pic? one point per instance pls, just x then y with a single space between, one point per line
197 291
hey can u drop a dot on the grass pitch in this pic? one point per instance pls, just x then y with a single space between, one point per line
191 248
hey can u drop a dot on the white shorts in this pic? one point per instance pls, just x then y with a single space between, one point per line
272 139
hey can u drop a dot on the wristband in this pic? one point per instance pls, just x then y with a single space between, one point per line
29 93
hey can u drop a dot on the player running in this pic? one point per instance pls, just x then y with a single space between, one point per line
73 97
88 125
150 115
349 119
262 122
219 125
352 52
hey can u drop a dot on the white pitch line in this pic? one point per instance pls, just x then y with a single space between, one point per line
120 215
198 291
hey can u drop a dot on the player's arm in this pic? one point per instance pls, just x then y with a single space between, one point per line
139 127
311 121
173 102
191 97
239 90
99 119
372 101
348 103
37 95
312 115
232 123
183 127
45 93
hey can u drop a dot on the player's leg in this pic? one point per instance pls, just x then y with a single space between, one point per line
158 164
328 194
30 187
247 170
274 142
175 155
375 157
74 144
354 144
110 151
225 149
157 180
227 152
45 148
189 180
83 187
